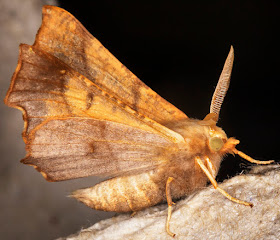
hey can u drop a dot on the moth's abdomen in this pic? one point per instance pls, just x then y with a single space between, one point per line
123 194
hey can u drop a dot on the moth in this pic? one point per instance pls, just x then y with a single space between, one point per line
86 114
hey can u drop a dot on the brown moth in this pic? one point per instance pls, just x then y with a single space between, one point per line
86 114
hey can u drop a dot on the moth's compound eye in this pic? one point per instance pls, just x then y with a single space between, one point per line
216 143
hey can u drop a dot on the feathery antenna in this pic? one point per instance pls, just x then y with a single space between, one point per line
223 84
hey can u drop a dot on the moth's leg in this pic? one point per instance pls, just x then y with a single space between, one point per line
210 166
215 184
170 203
133 214
249 159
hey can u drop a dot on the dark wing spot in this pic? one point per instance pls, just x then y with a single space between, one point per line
90 98
106 94
114 109
91 148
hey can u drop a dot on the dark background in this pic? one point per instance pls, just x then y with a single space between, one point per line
178 49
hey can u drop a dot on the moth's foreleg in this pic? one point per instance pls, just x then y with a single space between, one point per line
170 203
211 166
215 184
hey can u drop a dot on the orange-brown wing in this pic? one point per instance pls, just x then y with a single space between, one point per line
70 148
63 36
56 100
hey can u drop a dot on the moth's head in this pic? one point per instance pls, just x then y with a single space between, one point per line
218 142
216 136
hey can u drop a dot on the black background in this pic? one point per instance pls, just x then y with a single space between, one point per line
178 48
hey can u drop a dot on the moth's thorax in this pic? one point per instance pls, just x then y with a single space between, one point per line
198 141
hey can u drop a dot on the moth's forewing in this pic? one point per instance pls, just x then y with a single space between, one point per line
64 37
67 74
45 87
56 101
